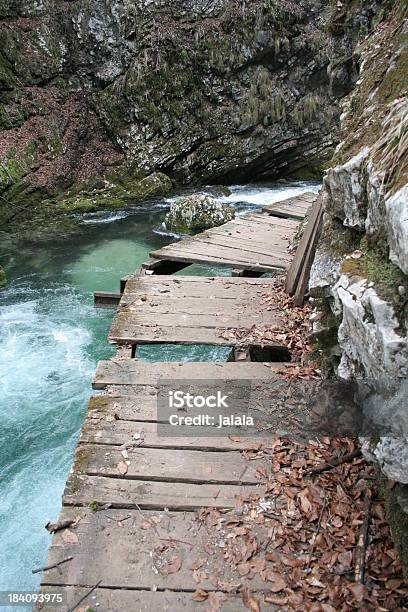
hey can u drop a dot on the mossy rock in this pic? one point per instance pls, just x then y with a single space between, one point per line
98 194
197 213
152 186
3 278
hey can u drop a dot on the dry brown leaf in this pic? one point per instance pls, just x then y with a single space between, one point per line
215 601
200 595
243 569
249 601
172 566
358 591
278 600
197 564
69 537
122 467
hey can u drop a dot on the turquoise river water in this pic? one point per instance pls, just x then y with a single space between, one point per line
51 338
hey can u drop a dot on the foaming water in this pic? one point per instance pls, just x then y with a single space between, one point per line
51 338
44 384
246 197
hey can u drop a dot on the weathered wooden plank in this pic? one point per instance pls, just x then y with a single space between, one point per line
303 279
113 599
214 308
245 247
129 372
261 232
229 319
128 549
83 490
231 262
142 334
225 254
310 196
291 210
134 284
125 332
105 299
141 408
119 433
218 246
293 274
279 224
298 205
169 465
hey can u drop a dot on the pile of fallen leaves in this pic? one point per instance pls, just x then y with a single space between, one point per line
292 332
297 546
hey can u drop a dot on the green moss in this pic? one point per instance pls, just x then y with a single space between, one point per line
382 81
375 266
3 279
98 402
91 204
14 167
306 109
109 196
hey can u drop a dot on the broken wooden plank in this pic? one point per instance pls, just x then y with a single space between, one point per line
160 267
295 269
169 465
224 246
303 280
84 490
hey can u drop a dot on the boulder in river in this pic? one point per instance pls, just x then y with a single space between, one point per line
197 213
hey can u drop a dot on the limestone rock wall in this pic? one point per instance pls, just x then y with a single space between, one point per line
359 278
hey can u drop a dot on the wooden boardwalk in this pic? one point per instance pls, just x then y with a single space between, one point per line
197 310
132 535
257 243
292 208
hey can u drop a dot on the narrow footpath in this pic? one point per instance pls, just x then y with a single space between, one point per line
215 522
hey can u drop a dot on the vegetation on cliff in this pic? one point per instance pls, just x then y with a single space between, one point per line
205 92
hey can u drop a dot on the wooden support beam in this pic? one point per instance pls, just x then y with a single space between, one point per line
246 273
163 266
106 299
242 354
305 249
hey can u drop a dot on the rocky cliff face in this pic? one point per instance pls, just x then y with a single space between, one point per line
202 90
359 278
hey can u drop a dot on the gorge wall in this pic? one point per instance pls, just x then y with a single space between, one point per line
359 278
97 95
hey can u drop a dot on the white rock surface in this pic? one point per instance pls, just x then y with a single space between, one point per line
397 226
368 337
345 193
